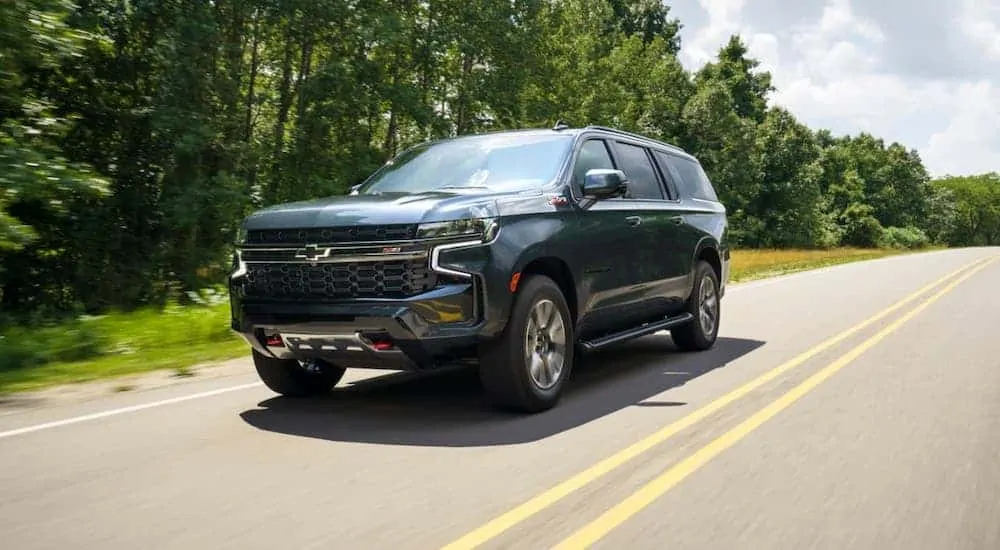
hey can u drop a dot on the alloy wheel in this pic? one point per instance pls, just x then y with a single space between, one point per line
708 306
545 344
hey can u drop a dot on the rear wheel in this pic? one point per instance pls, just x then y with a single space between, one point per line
701 333
527 366
292 378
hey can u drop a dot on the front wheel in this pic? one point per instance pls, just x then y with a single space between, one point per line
292 378
527 366
701 333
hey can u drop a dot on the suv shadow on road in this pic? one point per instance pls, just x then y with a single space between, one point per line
450 409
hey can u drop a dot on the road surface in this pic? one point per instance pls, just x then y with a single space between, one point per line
887 436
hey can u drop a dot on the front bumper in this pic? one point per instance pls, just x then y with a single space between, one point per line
435 328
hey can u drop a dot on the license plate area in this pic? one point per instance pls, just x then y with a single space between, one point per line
369 341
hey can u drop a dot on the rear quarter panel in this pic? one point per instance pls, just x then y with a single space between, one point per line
705 225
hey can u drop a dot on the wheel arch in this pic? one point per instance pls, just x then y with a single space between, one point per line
708 250
558 270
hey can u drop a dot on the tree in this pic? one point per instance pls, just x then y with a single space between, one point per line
734 70
977 209
789 204
649 20
39 185
724 144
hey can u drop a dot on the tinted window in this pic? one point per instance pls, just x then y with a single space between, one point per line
643 183
593 154
504 161
690 179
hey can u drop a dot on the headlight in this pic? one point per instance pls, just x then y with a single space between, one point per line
482 228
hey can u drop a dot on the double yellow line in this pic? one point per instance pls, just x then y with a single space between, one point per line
595 530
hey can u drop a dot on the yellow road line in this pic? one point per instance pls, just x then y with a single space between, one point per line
543 500
646 495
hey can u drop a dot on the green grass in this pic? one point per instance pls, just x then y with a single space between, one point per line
115 345
179 337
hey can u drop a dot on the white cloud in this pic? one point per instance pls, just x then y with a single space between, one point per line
765 47
840 69
839 19
981 23
724 18
971 141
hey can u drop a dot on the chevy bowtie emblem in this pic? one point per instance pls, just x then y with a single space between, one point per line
312 253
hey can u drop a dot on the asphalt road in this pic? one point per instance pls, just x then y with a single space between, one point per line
886 437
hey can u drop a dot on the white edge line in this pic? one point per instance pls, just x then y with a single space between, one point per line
124 410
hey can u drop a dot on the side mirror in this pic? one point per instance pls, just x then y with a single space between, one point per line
602 183
354 189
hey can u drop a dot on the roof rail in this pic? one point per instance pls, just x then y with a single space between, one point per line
636 136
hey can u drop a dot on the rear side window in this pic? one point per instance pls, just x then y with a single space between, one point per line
689 177
639 169
593 155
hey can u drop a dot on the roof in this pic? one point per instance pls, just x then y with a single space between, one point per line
565 129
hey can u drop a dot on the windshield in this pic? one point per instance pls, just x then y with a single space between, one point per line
494 162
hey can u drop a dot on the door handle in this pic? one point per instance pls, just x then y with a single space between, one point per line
633 220
677 220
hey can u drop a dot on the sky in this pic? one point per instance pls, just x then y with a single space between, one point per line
925 73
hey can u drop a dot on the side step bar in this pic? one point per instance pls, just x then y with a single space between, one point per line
639 331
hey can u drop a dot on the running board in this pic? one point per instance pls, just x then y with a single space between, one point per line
639 331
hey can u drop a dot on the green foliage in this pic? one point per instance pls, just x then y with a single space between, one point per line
36 181
22 347
648 20
788 202
974 219
738 72
861 227
905 237
120 338
134 136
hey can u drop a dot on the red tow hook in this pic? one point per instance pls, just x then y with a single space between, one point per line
381 345
274 340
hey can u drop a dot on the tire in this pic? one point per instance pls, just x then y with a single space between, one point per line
289 378
696 336
505 369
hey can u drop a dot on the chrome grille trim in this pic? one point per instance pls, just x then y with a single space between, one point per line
426 241
288 256
352 235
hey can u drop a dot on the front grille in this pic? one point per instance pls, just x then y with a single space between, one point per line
390 279
333 235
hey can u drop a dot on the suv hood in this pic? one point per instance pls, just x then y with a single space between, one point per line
353 210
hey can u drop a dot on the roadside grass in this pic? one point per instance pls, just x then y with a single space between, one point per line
176 338
752 264
116 344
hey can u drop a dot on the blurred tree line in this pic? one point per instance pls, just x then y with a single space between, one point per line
135 134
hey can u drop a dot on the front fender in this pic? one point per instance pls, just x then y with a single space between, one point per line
492 265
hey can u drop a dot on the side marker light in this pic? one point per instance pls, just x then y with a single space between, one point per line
514 279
